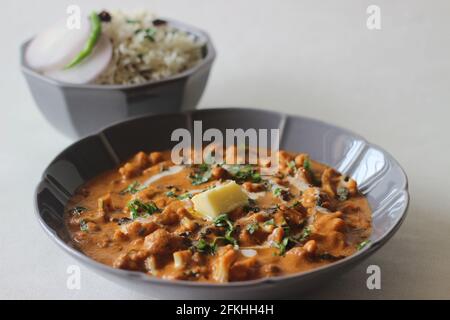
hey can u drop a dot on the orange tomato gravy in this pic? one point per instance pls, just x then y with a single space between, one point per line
140 217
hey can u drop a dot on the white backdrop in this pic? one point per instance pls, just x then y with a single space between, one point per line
313 58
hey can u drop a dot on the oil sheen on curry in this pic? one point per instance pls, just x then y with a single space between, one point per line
218 222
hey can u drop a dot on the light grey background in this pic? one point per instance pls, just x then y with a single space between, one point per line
313 58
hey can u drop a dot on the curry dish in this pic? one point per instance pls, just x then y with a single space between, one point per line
167 220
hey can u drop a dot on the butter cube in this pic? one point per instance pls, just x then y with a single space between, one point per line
221 199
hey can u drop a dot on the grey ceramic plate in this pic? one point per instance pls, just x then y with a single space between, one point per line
379 176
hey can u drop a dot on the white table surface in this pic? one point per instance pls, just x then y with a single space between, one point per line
313 58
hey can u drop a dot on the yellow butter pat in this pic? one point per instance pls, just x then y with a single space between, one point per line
221 199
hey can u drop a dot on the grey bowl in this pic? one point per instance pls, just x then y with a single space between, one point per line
78 110
380 178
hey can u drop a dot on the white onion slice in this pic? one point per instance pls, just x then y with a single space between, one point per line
87 70
56 46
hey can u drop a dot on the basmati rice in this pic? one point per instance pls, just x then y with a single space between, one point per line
145 51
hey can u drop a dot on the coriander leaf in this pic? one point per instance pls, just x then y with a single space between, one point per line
270 222
283 194
139 208
282 246
307 164
342 193
170 194
296 204
198 179
286 229
252 227
150 34
201 174
308 168
186 195
132 188
362 244
277 191
244 172
224 221
255 177
83 225
291 165
303 236
305 233
203 246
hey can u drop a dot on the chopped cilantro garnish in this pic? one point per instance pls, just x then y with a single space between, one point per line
201 174
283 194
287 240
277 191
286 229
83 225
308 168
244 172
252 227
291 165
295 204
204 247
303 236
319 201
224 221
149 33
139 208
282 246
342 193
170 194
183 196
305 233
307 164
362 244
132 188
